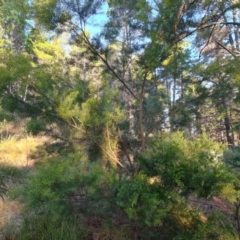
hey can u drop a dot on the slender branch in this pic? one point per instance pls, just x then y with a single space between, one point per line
203 26
127 155
105 61
112 156
191 3
143 136
115 158
41 93
207 40
143 85
229 51
99 145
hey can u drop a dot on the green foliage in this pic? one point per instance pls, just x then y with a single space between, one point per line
14 174
34 126
143 202
14 67
5 116
45 191
153 200
44 12
9 104
186 165
172 168
154 209
217 227
232 156
48 190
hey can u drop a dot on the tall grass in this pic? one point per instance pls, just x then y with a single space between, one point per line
46 228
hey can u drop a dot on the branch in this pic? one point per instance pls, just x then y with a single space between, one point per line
227 50
44 95
143 85
207 41
114 158
105 61
203 26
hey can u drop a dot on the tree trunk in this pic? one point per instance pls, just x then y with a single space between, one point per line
227 125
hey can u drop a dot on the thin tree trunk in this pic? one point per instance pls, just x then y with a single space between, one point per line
227 125
236 30
141 97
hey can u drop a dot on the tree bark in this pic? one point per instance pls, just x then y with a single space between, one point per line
227 124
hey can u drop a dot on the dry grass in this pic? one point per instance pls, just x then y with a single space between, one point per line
15 148
16 144
15 151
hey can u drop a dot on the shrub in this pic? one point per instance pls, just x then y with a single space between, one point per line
156 199
49 189
46 189
186 166
232 156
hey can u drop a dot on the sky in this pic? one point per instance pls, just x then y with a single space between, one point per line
96 23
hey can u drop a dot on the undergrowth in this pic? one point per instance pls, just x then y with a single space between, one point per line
66 196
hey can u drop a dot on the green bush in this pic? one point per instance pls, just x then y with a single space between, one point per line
143 202
15 174
154 209
34 126
47 192
186 166
156 199
46 189
232 156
